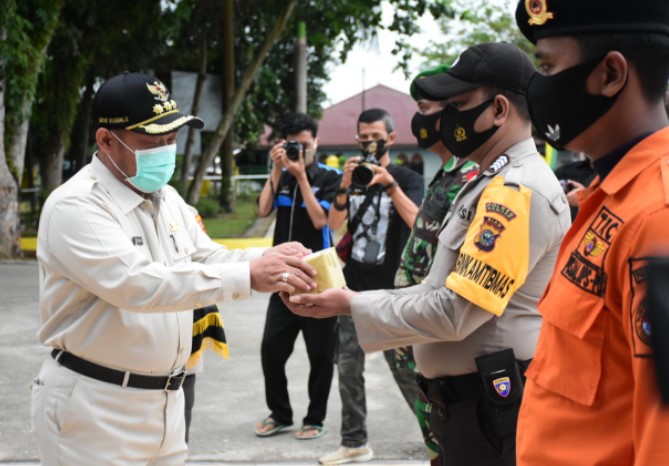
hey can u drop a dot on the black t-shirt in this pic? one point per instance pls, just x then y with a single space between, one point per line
379 240
292 219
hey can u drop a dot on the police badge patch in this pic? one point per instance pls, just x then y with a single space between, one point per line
502 386
490 230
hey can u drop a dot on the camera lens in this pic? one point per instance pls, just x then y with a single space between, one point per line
362 175
292 152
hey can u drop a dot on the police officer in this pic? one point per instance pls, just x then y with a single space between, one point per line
422 243
122 264
473 323
591 394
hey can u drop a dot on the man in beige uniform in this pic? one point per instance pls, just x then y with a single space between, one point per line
122 263
473 322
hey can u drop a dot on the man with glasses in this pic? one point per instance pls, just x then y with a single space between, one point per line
380 201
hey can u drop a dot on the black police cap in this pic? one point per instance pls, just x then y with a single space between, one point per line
140 103
496 64
538 19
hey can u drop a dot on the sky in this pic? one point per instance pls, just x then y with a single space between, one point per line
377 62
371 64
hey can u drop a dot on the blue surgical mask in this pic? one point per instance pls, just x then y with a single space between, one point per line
155 167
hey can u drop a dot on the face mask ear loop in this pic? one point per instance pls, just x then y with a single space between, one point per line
116 166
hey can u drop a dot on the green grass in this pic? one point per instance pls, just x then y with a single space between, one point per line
233 225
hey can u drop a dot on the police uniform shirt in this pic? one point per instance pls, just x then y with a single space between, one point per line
293 222
115 267
447 330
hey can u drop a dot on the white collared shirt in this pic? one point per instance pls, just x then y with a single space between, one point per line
120 273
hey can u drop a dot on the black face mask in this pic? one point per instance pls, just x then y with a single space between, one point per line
374 148
560 105
424 127
457 129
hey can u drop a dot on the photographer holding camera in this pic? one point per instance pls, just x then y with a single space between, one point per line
301 194
381 202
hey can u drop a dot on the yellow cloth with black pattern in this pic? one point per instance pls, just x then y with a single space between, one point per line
494 259
208 334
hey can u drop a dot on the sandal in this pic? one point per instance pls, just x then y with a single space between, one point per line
305 430
275 427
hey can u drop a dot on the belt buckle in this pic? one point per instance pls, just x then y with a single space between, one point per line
177 378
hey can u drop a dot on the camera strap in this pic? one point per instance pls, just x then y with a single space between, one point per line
357 218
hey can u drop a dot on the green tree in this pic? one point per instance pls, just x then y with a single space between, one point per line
473 22
265 90
26 28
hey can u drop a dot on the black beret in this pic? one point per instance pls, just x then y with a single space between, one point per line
538 19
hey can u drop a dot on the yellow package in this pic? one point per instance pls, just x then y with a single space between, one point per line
328 270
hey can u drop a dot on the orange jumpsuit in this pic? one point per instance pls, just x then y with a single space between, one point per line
591 397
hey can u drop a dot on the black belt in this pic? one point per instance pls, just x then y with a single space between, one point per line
453 389
105 374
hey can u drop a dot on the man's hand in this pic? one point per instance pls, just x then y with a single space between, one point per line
277 154
572 195
274 271
347 176
292 248
295 167
332 302
381 176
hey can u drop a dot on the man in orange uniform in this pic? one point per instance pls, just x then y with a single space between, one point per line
591 396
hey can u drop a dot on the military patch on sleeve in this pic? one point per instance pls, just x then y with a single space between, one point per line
639 323
494 259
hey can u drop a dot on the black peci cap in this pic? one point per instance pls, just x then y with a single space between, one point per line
140 103
496 64
538 19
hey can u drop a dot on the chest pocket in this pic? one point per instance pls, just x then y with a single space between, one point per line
181 246
568 360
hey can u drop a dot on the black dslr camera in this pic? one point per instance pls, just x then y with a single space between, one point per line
364 172
293 149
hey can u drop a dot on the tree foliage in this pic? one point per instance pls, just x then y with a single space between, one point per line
473 22
73 45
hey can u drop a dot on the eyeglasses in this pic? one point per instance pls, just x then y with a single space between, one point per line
370 137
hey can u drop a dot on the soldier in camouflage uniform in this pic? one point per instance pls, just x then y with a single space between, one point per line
420 247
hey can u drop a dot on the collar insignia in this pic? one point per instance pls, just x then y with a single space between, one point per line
538 12
498 164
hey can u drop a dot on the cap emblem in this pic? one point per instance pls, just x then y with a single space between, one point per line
158 90
460 134
423 133
538 12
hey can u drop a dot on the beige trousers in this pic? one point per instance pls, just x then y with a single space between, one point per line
81 421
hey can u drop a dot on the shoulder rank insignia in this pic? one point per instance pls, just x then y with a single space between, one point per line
498 164
502 386
538 12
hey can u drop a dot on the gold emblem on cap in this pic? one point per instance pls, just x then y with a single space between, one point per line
538 12
158 90
158 109
174 226
423 133
460 134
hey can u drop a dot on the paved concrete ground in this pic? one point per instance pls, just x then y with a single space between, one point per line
229 394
